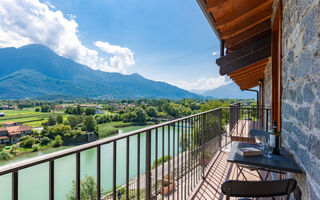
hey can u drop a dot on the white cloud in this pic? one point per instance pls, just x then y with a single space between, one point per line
215 53
49 4
29 21
203 83
122 56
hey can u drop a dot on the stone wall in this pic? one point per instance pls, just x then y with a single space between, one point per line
301 90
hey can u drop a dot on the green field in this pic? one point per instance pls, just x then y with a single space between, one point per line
30 117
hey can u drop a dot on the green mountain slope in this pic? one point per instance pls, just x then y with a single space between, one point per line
35 70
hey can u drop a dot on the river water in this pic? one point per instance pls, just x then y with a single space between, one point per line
34 181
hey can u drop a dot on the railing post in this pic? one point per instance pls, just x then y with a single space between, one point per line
15 185
78 176
51 180
148 165
202 142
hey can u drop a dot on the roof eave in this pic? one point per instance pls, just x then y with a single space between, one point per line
202 4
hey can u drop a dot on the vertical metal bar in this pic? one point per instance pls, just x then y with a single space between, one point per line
98 172
127 167
15 184
173 155
78 176
114 190
189 156
182 159
169 156
162 181
202 142
156 182
193 151
51 180
178 175
148 165
138 167
185 158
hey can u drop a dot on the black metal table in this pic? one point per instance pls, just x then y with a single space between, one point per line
277 163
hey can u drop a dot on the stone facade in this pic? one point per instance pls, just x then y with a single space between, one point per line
301 90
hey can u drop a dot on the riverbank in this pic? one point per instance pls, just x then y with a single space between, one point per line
104 130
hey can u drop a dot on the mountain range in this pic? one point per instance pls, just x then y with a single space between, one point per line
231 91
35 70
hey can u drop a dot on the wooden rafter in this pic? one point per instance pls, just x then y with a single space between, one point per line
245 70
249 33
241 44
242 16
244 51
244 26
248 74
214 3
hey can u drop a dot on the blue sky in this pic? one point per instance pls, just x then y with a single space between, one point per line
168 40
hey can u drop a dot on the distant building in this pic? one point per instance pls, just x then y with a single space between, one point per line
8 107
132 105
60 107
2 114
11 134
9 124
99 109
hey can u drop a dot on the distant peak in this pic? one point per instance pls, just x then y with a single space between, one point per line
35 46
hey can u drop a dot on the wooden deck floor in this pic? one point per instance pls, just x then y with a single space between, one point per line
219 171
241 130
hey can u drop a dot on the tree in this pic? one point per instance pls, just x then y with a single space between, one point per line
73 121
141 115
59 119
37 109
45 141
90 111
51 121
79 110
45 108
88 189
128 117
89 124
28 141
57 141
152 111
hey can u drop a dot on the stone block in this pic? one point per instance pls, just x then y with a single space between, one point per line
303 115
311 29
287 110
308 93
305 64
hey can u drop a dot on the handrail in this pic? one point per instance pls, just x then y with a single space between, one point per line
52 156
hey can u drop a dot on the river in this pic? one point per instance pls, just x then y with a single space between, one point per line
33 181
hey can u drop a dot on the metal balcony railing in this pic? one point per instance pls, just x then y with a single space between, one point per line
174 154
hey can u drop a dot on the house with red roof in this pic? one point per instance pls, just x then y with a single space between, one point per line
12 132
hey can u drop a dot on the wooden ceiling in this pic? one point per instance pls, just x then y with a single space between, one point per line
239 24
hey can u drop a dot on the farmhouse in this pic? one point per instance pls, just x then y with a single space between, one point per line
11 134
2 114
9 124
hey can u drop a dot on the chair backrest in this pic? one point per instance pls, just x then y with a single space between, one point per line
233 188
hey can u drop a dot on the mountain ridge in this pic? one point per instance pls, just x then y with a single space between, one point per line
35 70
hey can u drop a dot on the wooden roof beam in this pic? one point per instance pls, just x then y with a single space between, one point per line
248 74
245 25
244 51
211 4
242 16
256 56
249 33
244 70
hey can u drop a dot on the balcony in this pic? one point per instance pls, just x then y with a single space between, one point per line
194 150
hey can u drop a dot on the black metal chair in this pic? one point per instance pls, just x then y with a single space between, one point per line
256 189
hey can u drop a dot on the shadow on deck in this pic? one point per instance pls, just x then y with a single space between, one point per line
219 171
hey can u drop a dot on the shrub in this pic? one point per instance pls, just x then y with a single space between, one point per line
45 141
159 161
5 155
35 147
28 141
57 141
